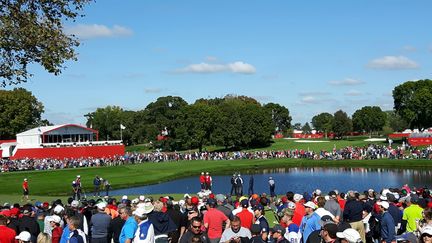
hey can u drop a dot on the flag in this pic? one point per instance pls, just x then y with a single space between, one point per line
122 127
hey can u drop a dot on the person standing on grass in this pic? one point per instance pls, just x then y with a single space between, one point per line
96 184
25 188
107 187
272 185
202 180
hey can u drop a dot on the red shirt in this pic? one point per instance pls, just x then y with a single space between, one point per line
299 212
202 179
246 218
56 234
25 185
7 235
214 218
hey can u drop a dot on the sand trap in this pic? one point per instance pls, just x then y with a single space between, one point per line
311 141
375 139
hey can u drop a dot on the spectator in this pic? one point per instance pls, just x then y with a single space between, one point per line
236 233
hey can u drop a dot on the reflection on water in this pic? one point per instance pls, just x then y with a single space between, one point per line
298 179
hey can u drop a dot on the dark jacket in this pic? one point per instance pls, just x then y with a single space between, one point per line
27 223
353 211
162 223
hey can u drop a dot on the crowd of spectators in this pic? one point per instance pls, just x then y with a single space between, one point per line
390 215
368 152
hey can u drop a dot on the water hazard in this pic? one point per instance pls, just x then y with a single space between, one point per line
297 180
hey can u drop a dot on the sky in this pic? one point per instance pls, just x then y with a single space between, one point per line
309 56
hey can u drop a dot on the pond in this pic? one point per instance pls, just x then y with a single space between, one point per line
298 180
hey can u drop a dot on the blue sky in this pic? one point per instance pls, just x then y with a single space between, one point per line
310 56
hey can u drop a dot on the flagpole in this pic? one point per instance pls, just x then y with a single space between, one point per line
121 133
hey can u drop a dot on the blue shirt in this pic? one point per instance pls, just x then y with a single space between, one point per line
128 230
387 228
65 236
309 224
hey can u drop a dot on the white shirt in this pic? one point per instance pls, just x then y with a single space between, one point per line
150 238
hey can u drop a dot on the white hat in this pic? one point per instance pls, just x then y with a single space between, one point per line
101 205
351 235
55 219
141 198
310 204
25 179
427 230
125 197
101 179
297 197
24 236
141 211
78 176
383 198
58 209
384 204
317 192
291 205
186 196
74 204
135 201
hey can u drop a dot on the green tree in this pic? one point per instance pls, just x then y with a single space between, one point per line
162 115
323 122
19 111
297 126
196 125
342 124
413 102
107 121
395 122
280 116
306 128
31 31
369 119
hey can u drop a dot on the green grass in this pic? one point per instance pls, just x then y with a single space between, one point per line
58 182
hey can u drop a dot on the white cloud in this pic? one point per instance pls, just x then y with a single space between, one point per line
152 90
393 63
309 100
409 48
92 31
346 82
353 93
211 59
235 67
314 93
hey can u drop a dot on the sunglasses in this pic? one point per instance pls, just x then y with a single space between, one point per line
427 235
196 227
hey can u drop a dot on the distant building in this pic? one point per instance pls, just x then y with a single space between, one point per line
60 141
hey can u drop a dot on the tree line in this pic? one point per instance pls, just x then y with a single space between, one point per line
232 121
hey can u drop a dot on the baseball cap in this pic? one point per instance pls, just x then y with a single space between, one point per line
317 192
332 194
211 201
414 198
278 228
58 209
284 199
291 205
55 219
194 200
326 219
24 236
310 205
220 197
101 205
124 197
244 203
78 176
384 204
351 235
258 207
297 197
25 179
427 230
74 204
141 197
144 210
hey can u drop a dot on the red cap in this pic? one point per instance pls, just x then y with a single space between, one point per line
45 204
164 200
211 195
194 200
284 199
